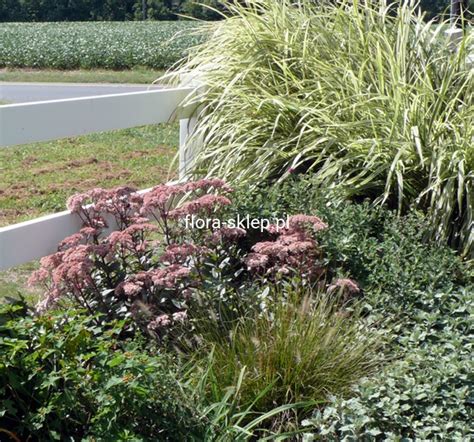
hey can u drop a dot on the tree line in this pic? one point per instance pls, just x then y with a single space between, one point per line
103 10
119 10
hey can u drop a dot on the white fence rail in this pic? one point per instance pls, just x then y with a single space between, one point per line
51 120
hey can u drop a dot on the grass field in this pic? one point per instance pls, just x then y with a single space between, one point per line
108 45
136 75
38 178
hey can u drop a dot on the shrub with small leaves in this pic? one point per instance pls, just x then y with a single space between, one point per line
62 375
424 395
422 288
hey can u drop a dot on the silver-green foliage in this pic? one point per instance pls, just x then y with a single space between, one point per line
366 96
426 394
111 45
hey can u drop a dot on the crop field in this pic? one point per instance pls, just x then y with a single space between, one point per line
88 45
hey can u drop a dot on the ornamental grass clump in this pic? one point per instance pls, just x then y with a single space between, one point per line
366 96
300 351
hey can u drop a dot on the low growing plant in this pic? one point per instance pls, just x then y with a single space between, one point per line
426 394
62 375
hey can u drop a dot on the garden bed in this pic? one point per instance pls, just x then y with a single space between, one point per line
322 291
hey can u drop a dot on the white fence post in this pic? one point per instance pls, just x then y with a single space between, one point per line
455 36
187 149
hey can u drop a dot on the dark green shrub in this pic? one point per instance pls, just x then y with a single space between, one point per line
405 277
388 255
64 376
418 284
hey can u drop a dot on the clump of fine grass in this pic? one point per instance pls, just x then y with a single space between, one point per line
290 358
366 96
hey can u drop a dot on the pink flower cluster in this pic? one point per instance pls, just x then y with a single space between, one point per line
65 271
293 250
123 203
161 199
225 234
203 205
164 321
142 265
181 253
345 287
169 277
150 266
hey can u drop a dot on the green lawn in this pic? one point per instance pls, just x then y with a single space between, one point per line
13 283
37 179
136 75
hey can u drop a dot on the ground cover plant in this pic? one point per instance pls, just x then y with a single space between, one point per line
62 375
109 45
427 393
366 96
425 290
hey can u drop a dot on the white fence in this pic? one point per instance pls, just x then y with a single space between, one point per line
51 120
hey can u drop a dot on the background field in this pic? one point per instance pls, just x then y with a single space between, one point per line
108 45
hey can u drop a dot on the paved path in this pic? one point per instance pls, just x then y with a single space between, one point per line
27 92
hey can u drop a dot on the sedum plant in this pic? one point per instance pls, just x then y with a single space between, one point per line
365 95
155 262
148 267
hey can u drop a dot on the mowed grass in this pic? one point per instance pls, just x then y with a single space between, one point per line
136 75
37 179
